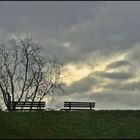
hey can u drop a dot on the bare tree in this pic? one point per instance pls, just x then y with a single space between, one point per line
25 73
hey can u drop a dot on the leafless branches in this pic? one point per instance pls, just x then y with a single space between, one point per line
25 73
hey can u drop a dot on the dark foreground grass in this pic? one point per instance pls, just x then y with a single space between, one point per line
70 125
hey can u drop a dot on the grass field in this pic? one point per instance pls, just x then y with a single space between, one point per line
70 125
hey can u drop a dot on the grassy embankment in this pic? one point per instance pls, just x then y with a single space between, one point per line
73 125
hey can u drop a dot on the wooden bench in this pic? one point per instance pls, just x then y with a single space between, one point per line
28 105
78 105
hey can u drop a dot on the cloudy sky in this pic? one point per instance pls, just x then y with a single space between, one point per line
99 43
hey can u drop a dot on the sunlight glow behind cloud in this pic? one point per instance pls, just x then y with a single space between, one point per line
75 73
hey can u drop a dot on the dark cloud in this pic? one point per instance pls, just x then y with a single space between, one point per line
115 75
83 85
117 64
103 27
124 86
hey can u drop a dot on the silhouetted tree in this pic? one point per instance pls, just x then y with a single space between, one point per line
26 74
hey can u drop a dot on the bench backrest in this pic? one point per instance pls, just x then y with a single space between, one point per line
79 104
27 104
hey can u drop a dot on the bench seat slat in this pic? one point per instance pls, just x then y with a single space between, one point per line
75 109
80 105
78 102
29 109
28 106
26 103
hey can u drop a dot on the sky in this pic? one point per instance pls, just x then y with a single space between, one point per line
98 42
